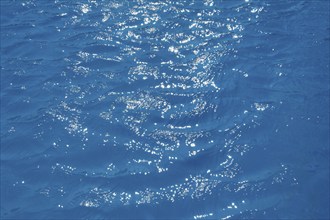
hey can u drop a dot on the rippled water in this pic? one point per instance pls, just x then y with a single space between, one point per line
165 109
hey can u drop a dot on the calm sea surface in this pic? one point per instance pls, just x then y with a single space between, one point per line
149 109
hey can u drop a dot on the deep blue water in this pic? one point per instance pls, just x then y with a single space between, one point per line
150 109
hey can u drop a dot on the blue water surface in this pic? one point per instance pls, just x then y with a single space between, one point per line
161 109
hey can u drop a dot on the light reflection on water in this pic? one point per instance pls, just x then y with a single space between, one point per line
167 106
150 106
